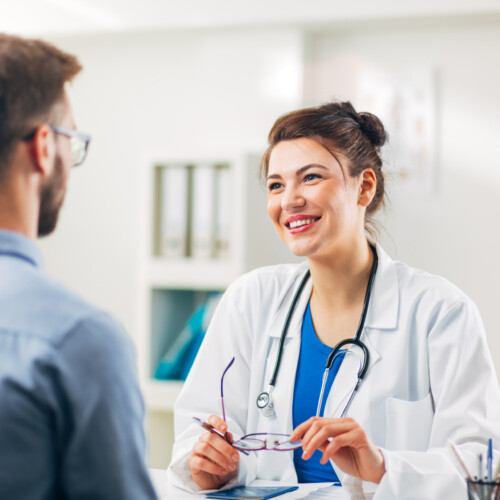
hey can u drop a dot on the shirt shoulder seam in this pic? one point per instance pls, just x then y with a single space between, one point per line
53 342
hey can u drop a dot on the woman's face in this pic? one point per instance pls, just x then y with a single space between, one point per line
312 200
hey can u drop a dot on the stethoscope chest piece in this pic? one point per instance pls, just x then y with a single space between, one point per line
265 403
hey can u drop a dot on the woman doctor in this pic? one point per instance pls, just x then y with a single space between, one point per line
428 376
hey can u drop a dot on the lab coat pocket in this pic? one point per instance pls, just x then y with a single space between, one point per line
409 423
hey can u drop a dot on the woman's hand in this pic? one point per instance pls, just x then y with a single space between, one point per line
343 441
213 461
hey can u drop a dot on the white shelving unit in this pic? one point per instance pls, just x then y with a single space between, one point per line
170 289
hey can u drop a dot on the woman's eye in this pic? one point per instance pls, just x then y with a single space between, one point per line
274 185
312 177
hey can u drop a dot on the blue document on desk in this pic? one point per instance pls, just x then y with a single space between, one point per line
254 492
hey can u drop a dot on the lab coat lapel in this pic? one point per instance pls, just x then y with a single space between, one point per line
283 394
384 302
284 303
284 388
342 387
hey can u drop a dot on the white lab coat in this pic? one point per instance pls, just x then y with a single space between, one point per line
430 379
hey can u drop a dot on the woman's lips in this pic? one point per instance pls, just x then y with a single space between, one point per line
298 224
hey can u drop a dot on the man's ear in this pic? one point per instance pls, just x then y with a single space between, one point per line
43 149
367 187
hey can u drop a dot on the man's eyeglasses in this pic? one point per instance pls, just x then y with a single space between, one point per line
251 442
79 142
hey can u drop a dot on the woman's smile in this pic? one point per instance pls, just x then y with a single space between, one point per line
300 223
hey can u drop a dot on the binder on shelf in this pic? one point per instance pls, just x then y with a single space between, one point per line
174 211
223 212
192 210
177 361
157 210
203 200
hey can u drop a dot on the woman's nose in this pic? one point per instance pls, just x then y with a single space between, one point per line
292 198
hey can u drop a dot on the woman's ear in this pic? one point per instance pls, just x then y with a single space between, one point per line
367 187
43 149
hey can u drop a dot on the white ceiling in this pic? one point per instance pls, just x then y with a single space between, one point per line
49 17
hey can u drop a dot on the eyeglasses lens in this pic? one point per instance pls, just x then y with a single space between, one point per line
77 150
250 444
287 445
270 442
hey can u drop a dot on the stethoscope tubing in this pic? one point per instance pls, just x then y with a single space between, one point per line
284 331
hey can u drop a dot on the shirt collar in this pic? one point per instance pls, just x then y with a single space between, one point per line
20 246
384 301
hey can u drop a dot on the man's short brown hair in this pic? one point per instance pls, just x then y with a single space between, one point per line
32 78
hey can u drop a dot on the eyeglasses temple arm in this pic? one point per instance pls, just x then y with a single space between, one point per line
222 388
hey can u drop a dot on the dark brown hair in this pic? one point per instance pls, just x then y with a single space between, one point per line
339 128
32 78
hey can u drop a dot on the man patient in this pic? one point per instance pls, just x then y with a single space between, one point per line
70 408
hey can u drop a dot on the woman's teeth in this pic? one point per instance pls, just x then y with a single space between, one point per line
303 222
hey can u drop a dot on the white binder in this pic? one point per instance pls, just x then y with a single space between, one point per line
223 212
174 210
203 224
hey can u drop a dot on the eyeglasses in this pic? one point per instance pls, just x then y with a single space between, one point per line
251 442
79 142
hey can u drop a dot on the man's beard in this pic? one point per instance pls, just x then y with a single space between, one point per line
51 199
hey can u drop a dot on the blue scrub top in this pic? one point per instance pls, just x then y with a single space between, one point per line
308 379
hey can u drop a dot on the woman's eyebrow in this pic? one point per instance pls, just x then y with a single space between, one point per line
300 171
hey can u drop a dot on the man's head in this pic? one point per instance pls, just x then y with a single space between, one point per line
34 116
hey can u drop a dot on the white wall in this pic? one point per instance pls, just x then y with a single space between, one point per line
455 231
97 16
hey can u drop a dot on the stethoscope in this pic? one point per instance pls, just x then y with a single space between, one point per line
264 400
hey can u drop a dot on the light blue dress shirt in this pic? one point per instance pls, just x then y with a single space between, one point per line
70 408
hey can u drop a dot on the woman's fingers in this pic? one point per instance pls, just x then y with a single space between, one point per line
301 429
211 467
213 460
315 422
217 450
347 439
218 423
199 464
322 431
345 442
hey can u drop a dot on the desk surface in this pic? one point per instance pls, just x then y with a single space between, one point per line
309 490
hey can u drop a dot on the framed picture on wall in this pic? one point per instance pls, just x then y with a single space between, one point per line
405 101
